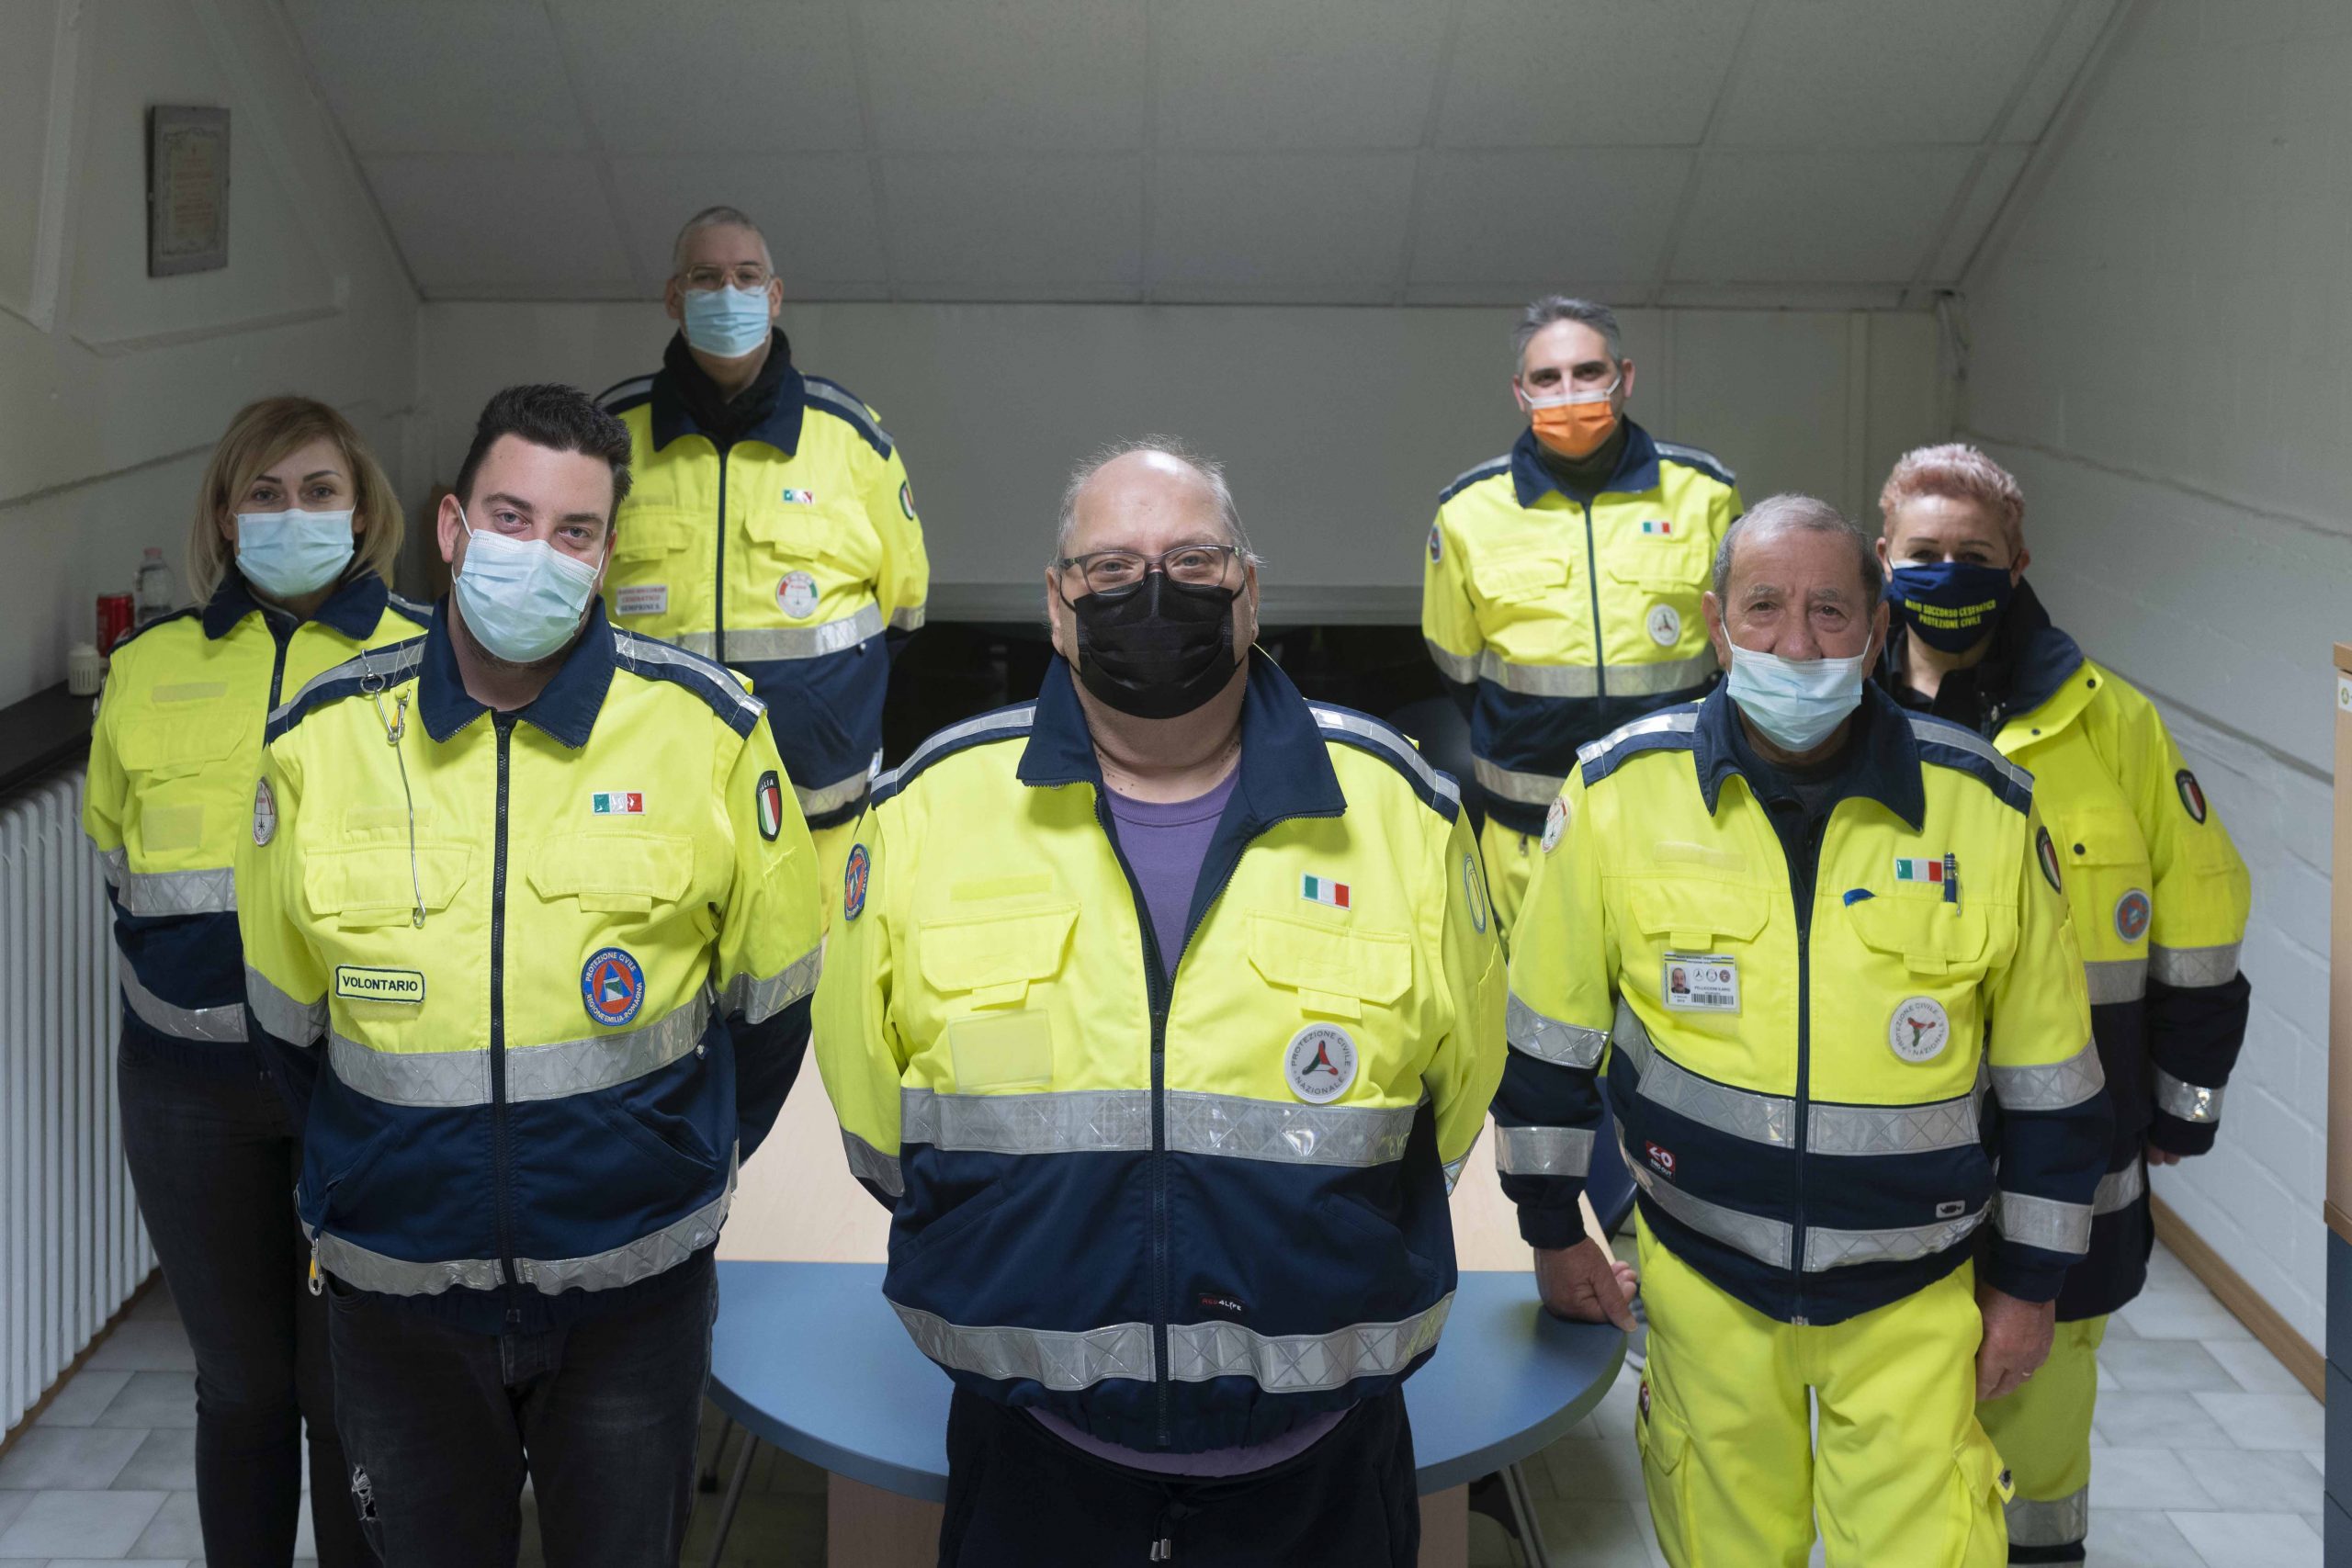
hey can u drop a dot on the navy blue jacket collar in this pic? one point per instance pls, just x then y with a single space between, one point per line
353 609
1285 769
1882 759
779 428
1636 467
567 707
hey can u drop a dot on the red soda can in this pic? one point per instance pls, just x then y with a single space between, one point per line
115 612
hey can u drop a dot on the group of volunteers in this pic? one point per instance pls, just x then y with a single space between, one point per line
468 950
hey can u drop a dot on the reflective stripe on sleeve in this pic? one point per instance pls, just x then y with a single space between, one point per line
1544 1151
907 618
2192 966
296 1022
1107 1120
2119 1190
212 891
1459 667
759 1001
869 1164
2188 1101
2113 980
2052 1086
1549 1040
1526 789
447 1078
2043 1222
215 1025
768 644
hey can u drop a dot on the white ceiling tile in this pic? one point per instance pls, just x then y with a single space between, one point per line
1880 73
1554 218
2054 73
502 227
816 210
1286 221
1859 217
747 76
1587 72
1977 211
989 75
1244 74
441 75
988 224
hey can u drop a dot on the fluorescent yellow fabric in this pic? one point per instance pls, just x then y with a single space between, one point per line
833 845
1511 865
2043 1431
1903 1474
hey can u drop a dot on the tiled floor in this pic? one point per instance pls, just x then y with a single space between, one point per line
2208 1457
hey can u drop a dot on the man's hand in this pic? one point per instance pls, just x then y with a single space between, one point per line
2017 1340
1584 1284
2158 1154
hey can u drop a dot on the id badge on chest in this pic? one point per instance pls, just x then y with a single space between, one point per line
1700 982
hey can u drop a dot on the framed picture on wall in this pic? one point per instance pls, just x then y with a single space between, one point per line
187 190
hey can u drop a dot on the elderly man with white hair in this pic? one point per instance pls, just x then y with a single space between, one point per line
1161 1011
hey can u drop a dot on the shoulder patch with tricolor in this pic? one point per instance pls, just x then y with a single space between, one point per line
907 500
1437 545
856 876
770 800
1473 888
1323 890
2047 853
2192 795
264 813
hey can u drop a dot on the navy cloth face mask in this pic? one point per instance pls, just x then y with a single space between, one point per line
1950 604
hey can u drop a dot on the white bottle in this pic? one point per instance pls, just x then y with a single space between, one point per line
154 593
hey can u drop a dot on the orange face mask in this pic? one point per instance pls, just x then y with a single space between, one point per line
1574 425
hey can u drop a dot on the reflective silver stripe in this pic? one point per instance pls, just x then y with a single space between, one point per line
1300 1363
208 892
394 666
533 1072
1460 668
717 680
2176 1096
218 1025
2189 967
2043 1222
1527 789
649 1254
834 796
703 643
907 618
296 1022
759 1001
870 1164
2119 1190
1825 1248
1766 1240
1549 1040
1064 1359
1655 724
2116 980
1454 1169
1393 743
1012 719
1942 732
2053 1086
2062 1522
1584 681
804 642
1544 1151
1106 1119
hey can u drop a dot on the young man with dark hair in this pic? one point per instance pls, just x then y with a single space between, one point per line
511 1206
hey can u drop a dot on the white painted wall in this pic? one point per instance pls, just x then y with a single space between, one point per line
113 385
1337 424
2160 345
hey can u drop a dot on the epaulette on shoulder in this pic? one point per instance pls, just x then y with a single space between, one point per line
1437 790
651 659
127 638
413 610
1469 477
834 399
1948 745
1668 729
377 669
1699 458
627 395
1002 724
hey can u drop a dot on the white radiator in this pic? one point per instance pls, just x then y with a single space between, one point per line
71 1247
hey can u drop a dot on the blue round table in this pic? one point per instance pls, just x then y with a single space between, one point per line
808 1356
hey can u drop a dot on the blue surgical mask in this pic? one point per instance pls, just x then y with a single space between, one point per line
523 599
1796 702
728 322
288 554
1950 605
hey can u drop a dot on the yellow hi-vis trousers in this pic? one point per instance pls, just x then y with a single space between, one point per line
1903 1474
2043 1431
1511 865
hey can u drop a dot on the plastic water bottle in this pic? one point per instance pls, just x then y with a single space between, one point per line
157 594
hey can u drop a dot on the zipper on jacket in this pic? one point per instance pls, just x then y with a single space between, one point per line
1815 832
502 1175
277 667
1592 583
719 570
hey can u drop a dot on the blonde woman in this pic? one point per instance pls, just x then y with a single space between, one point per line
296 530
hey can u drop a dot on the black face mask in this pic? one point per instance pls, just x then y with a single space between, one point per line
1157 650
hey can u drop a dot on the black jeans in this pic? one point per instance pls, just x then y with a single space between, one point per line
1019 1497
443 1423
214 1157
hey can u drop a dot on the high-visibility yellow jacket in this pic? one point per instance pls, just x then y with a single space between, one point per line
2160 899
1553 620
791 553
533 1021
1183 1213
1801 1028
173 761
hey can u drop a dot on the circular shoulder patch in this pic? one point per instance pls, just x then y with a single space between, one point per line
770 801
1664 625
2192 795
1920 1030
1556 823
2047 853
1320 1063
611 987
1437 546
2132 916
264 813
854 877
1473 890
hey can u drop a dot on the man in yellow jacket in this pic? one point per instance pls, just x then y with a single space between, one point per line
2160 900
1162 1010
1822 948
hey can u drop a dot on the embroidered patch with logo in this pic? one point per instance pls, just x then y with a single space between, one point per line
1661 1158
357 983
1556 823
1664 625
797 595
2192 795
1320 1063
907 500
1474 890
1437 545
611 987
855 875
617 803
641 599
800 497
1699 982
1951 1208
2131 913
2047 853
1920 1030
264 813
1323 890
768 795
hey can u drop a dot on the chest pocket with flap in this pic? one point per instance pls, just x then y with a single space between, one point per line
614 874
1692 914
369 885
649 533
1518 578
1931 937
1659 567
990 961
1334 972
179 734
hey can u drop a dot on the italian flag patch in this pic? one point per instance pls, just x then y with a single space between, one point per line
617 803
1323 890
1919 871
1658 525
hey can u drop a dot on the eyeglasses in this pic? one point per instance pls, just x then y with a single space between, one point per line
749 276
1195 566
